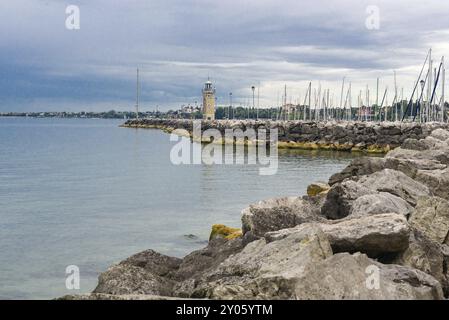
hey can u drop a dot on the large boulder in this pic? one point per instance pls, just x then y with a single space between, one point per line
434 143
411 166
377 203
151 273
339 199
276 214
431 217
374 235
396 183
440 134
266 271
425 255
197 263
147 272
402 153
436 180
414 144
400 159
158 263
358 167
382 191
439 153
348 277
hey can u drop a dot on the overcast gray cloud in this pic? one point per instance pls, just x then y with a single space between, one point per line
178 44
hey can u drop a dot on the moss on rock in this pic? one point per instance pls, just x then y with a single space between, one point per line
317 188
378 149
222 231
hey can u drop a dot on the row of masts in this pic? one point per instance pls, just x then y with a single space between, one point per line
426 103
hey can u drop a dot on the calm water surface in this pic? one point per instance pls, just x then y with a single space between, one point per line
85 192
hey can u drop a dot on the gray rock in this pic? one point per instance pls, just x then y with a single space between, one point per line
196 264
276 214
151 273
125 279
425 255
378 203
348 277
410 167
266 271
340 198
440 154
436 180
374 235
147 272
440 134
396 183
431 217
200 261
433 143
401 153
414 144
400 159
157 263
358 167
103 296
284 233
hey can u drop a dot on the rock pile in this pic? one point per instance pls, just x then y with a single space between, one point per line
378 230
367 137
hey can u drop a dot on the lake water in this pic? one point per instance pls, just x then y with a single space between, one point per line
85 192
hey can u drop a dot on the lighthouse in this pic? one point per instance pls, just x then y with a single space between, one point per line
208 101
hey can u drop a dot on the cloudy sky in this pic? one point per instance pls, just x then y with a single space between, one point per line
178 44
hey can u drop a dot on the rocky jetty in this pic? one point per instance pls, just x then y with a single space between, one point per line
369 137
378 230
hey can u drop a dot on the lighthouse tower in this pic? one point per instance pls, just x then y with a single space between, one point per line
208 101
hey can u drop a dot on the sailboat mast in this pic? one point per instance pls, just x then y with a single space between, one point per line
286 111
395 97
429 88
137 95
443 105
310 101
342 89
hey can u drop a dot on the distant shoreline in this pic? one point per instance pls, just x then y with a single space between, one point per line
70 115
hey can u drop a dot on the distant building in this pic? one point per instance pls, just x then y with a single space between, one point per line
289 107
187 109
208 101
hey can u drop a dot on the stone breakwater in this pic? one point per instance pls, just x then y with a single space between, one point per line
379 229
343 136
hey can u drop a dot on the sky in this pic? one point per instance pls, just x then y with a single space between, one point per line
178 44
